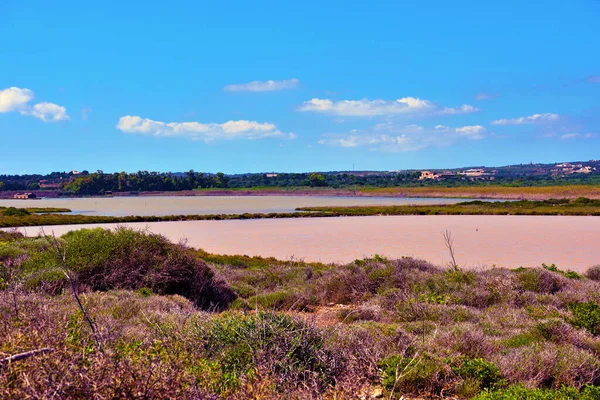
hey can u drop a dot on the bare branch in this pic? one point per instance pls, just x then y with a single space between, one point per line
62 256
449 242
24 355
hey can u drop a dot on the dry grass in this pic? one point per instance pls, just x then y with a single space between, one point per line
308 331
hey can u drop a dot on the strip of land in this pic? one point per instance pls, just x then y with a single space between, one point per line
477 192
16 217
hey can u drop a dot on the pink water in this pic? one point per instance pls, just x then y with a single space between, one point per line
479 241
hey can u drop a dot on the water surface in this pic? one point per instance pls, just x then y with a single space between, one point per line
185 205
479 240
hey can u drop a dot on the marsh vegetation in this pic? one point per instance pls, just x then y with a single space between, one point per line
173 321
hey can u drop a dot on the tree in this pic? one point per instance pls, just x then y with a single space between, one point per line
316 179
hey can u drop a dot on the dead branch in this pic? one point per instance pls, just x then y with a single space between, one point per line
53 241
24 355
449 242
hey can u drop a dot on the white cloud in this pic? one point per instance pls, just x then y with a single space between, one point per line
263 86
206 132
17 99
390 138
567 136
472 132
369 108
485 96
48 112
532 119
14 99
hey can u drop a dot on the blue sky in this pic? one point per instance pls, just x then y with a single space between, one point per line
260 86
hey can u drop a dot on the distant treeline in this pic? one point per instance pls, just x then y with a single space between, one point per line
85 183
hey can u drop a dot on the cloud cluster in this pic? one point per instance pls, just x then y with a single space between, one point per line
391 138
205 132
532 119
15 99
485 96
568 136
371 108
263 86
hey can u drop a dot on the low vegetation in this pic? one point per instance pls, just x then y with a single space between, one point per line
174 322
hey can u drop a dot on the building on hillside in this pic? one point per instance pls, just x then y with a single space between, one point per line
474 172
24 196
271 175
428 175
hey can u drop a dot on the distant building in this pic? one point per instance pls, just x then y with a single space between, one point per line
474 172
75 172
24 196
428 175
271 175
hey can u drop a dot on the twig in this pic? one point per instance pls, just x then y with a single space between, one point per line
449 241
63 259
24 355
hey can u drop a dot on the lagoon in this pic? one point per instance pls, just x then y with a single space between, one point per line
186 205
480 241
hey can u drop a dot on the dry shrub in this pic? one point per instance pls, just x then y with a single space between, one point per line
363 345
468 340
291 350
549 365
361 280
10 235
593 273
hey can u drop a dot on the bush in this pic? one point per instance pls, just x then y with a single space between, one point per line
593 273
10 236
539 280
586 316
126 259
15 212
419 374
521 392
290 349
485 373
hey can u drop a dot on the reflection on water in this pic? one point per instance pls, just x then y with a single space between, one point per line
184 205
479 241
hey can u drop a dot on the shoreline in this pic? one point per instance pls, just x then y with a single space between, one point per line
472 192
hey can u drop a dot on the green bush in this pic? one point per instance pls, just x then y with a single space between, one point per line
485 373
120 259
419 374
520 392
586 316
288 348
15 212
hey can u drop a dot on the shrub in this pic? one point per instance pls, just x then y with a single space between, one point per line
15 212
593 273
289 348
486 372
521 392
539 280
586 316
10 236
422 374
127 259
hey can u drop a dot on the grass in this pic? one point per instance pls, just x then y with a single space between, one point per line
497 192
581 206
374 327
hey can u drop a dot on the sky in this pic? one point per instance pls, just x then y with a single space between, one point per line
261 86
